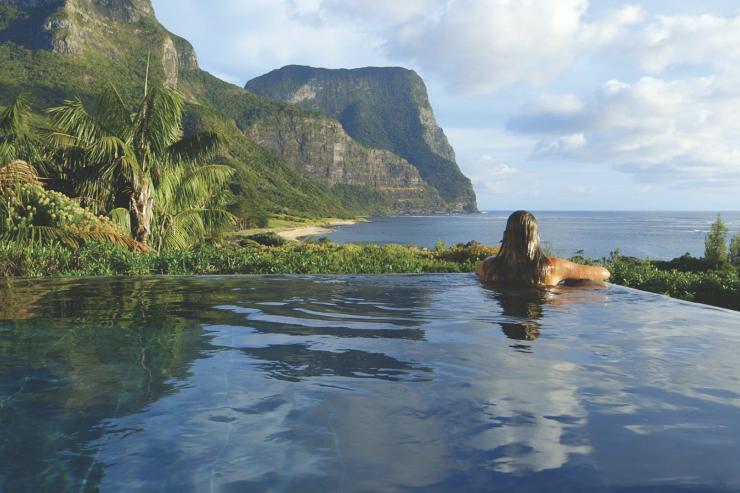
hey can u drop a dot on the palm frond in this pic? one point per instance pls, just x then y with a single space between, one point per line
158 123
121 218
196 148
111 112
38 234
78 127
18 136
17 172
15 119
190 226
198 186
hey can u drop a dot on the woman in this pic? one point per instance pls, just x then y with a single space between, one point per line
521 261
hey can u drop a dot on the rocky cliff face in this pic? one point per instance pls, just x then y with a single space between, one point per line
68 27
320 149
380 107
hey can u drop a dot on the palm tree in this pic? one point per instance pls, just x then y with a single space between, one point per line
18 140
190 204
122 158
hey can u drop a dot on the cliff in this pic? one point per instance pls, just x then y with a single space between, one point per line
386 108
320 149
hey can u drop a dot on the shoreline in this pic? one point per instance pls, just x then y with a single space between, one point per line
299 233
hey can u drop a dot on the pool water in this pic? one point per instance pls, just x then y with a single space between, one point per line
427 383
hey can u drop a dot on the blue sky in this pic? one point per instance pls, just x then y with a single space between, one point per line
549 104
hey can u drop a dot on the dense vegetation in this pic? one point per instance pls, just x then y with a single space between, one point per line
136 168
102 259
712 287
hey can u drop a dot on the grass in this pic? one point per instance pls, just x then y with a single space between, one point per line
99 259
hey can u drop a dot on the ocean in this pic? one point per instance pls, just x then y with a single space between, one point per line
655 234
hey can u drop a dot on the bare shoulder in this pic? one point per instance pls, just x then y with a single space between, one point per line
484 269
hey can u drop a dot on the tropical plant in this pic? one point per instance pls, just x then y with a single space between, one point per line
30 214
18 140
735 250
190 205
715 246
121 158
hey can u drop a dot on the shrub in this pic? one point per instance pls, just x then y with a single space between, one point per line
684 263
716 287
715 246
735 250
31 214
267 239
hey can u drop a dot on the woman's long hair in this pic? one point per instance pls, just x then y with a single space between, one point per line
520 259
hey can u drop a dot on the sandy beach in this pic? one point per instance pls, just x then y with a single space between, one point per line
304 231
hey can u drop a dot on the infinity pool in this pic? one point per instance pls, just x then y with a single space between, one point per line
363 383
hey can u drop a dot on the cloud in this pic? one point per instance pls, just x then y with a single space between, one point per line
241 40
480 46
472 46
491 176
672 131
702 39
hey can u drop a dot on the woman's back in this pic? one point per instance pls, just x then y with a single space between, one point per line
520 261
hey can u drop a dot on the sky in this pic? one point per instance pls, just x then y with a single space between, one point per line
549 104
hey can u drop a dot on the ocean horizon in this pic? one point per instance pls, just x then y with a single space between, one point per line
656 234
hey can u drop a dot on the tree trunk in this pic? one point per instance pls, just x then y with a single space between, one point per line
142 212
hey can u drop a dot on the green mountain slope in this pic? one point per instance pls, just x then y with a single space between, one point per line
380 107
57 49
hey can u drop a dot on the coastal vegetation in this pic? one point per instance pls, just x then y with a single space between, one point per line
105 259
686 277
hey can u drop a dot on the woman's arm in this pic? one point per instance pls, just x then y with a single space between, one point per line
561 269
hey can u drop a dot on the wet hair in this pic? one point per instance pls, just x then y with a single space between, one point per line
520 259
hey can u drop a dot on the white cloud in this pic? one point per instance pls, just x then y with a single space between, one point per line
491 176
701 39
484 45
244 39
611 26
675 131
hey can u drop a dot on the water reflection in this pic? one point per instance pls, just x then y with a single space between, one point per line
397 383
526 305
295 362
523 304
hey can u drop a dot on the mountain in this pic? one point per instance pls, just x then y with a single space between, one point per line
58 49
382 107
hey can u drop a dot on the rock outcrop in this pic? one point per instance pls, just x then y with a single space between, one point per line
68 27
384 107
320 149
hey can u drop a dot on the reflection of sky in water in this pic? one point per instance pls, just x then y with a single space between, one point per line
428 383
